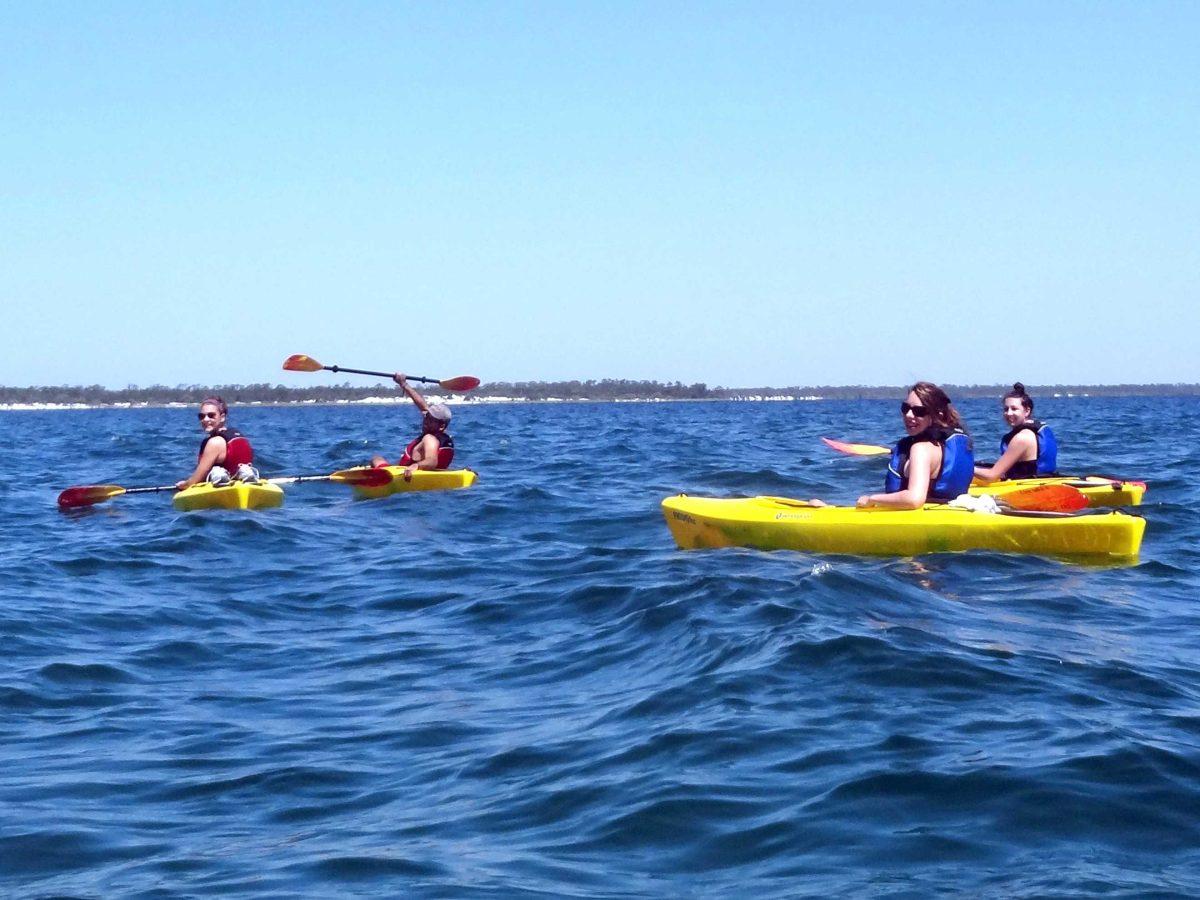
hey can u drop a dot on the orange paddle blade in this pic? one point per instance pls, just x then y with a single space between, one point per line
461 383
87 495
298 362
1046 498
363 475
856 449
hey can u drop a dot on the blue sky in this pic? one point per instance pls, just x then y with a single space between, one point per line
735 193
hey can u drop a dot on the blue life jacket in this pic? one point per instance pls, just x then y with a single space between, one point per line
1047 451
956 472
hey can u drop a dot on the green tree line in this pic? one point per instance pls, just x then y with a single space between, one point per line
603 389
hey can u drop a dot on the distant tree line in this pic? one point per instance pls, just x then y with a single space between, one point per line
959 391
604 389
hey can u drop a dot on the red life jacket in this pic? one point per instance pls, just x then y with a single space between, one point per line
445 454
237 449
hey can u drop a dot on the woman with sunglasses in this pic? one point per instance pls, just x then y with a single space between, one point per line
935 461
1029 449
225 454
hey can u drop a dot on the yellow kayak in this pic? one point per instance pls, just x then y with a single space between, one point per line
238 495
1100 491
422 480
777 523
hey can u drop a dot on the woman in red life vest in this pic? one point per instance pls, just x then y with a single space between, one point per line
224 453
433 448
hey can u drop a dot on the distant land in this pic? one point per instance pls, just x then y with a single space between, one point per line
608 389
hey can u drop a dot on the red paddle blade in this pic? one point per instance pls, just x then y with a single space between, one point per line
88 495
365 476
461 383
856 449
298 362
1046 498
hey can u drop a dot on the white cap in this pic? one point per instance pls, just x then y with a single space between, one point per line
439 411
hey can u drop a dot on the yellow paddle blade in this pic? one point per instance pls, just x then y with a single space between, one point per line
298 362
856 449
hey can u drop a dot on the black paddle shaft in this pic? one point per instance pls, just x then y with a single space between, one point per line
379 374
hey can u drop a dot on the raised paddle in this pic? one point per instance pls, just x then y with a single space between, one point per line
856 449
300 363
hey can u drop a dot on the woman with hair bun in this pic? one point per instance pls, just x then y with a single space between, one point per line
225 454
1029 450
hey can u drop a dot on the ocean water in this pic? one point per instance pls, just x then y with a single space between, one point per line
525 689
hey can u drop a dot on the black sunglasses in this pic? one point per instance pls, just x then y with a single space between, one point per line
203 416
919 411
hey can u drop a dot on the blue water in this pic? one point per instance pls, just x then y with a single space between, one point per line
524 689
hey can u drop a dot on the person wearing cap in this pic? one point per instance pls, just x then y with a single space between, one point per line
433 448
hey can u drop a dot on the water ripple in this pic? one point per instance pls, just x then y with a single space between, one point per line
524 689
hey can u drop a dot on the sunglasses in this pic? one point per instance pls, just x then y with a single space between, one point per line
918 411
203 416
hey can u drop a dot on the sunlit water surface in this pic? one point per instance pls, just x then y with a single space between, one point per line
525 689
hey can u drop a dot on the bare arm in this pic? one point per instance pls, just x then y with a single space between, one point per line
213 451
412 394
1018 448
425 456
922 460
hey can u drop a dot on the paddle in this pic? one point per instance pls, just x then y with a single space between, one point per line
1038 497
91 494
1049 498
300 363
87 495
362 475
856 449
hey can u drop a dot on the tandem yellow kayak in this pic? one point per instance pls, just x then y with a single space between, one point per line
1099 490
422 480
238 495
778 523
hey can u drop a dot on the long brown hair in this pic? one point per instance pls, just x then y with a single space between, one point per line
938 403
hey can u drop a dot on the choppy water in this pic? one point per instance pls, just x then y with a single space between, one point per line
525 689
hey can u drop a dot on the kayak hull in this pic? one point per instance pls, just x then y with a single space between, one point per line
776 523
422 480
1100 491
237 495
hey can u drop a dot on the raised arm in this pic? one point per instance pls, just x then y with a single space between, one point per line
416 398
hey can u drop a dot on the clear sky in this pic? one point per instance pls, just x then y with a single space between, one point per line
736 193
